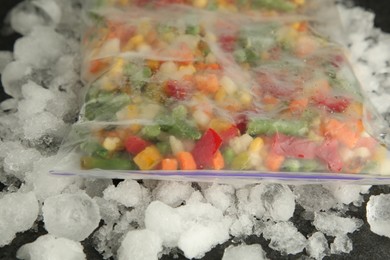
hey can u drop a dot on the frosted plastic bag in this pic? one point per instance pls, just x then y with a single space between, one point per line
178 92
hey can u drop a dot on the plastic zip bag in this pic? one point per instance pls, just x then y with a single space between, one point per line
180 92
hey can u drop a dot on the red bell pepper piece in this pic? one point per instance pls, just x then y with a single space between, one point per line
227 42
135 144
294 147
333 104
227 134
205 149
175 89
328 152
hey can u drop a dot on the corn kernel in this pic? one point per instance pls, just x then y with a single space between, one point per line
219 124
200 3
132 111
111 143
256 145
107 85
245 98
220 95
187 70
201 118
117 69
299 2
153 64
148 158
228 85
176 145
137 40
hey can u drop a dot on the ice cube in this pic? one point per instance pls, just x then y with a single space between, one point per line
173 193
165 222
13 76
242 226
317 246
204 227
49 247
347 193
43 183
221 196
334 225
42 124
140 245
341 244
127 193
18 212
47 46
109 211
275 201
73 216
197 240
5 58
29 14
378 214
314 197
18 161
244 252
285 238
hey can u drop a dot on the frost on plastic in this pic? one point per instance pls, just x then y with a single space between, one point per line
205 91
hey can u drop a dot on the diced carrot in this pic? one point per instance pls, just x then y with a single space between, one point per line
347 133
218 161
207 83
169 164
306 45
270 100
96 65
274 161
186 161
207 66
298 105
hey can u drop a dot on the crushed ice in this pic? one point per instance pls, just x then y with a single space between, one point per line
144 220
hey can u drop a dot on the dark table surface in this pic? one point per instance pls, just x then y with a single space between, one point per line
366 245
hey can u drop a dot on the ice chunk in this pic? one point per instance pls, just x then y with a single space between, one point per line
285 238
127 193
48 46
275 201
49 247
173 193
347 193
18 212
242 226
314 197
18 161
199 239
378 214
140 245
108 211
29 14
43 124
73 216
95 187
334 225
5 58
247 252
34 93
317 246
221 196
165 222
14 76
45 184
205 227
341 244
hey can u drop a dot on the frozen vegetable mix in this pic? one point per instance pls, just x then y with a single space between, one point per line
218 88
